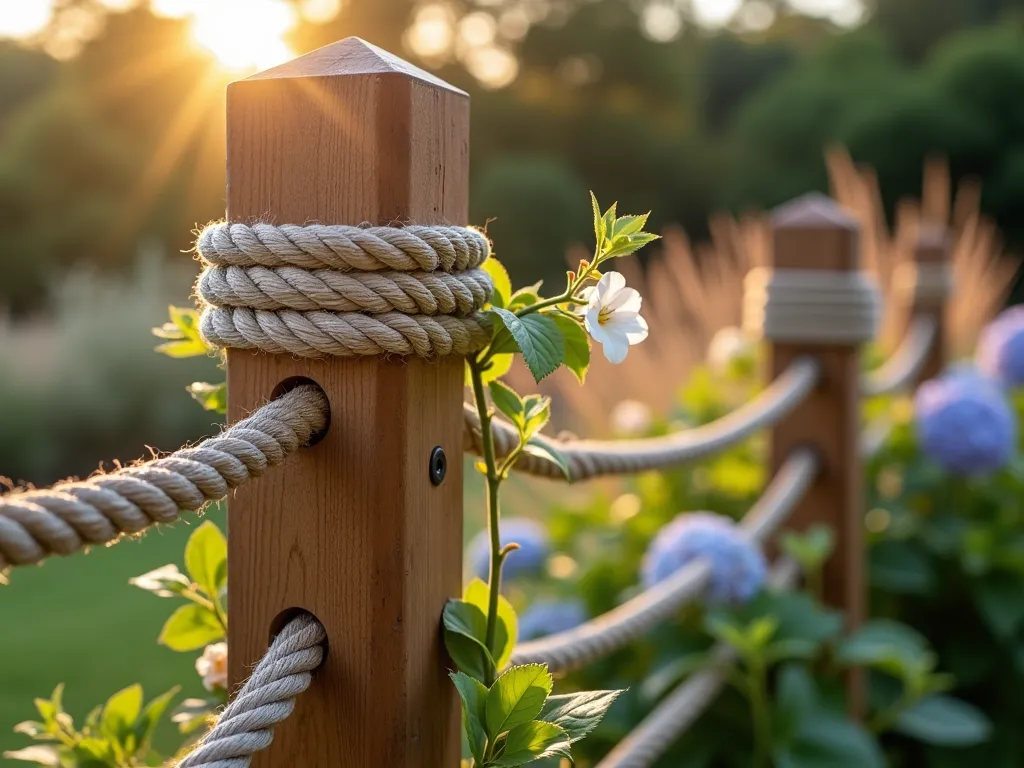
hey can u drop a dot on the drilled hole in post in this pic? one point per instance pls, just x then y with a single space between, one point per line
291 383
281 621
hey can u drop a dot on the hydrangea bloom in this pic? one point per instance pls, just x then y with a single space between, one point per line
548 617
1001 348
964 423
529 558
738 567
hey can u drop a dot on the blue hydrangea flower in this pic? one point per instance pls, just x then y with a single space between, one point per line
549 617
1001 348
529 558
738 567
964 423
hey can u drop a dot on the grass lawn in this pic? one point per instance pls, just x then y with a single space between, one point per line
77 620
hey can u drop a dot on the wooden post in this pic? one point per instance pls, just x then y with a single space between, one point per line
813 233
352 529
931 252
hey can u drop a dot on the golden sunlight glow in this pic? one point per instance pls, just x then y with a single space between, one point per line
24 19
243 35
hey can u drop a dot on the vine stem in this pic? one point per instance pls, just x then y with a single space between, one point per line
493 510
760 714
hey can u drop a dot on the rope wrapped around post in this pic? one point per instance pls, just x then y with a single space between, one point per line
71 516
318 290
268 697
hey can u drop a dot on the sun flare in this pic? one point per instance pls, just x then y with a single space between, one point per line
243 35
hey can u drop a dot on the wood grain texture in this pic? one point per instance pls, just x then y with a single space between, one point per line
932 247
352 529
813 233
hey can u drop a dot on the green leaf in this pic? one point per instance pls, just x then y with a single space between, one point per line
191 627
465 630
538 338
998 597
213 397
629 225
945 721
577 345
881 642
40 754
502 293
166 581
474 698
184 348
531 741
507 630
795 691
147 722
631 244
544 450
516 697
826 740
578 713
49 708
537 411
120 713
900 566
525 297
599 229
497 367
206 555
508 402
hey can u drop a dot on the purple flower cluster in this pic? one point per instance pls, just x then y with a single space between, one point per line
964 422
549 617
738 567
533 551
1001 348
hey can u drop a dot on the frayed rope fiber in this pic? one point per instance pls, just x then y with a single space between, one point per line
319 290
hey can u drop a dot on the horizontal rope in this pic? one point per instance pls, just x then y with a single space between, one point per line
594 458
348 334
271 288
343 248
901 370
649 740
246 725
811 306
628 622
69 516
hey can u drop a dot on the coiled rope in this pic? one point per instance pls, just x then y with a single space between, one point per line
318 289
593 458
622 625
72 515
812 306
246 725
679 710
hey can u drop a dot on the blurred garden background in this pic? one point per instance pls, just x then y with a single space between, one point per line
705 112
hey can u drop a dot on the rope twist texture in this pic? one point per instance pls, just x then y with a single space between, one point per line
99 510
320 290
813 306
268 697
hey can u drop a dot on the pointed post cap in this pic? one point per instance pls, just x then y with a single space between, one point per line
812 211
348 57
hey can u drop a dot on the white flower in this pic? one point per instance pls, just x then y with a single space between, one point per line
728 345
631 418
212 666
612 316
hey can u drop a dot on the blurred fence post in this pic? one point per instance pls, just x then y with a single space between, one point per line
352 529
930 290
813 233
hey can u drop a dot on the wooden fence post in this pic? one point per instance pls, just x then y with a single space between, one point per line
930 292
813 233
352 529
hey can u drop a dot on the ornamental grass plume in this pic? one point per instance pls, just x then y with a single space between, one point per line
549 617
738 567
1001 348
534 548
964 423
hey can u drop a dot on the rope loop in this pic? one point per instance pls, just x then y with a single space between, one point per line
812 306
319 289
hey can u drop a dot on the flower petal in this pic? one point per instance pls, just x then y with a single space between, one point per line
628 325
609 284
626 300
615 349
600 333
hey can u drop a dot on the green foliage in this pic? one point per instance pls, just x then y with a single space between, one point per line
118 734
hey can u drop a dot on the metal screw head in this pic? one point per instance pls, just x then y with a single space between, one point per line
438 465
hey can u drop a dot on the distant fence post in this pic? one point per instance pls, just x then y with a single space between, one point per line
929 291
812 233
352 529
